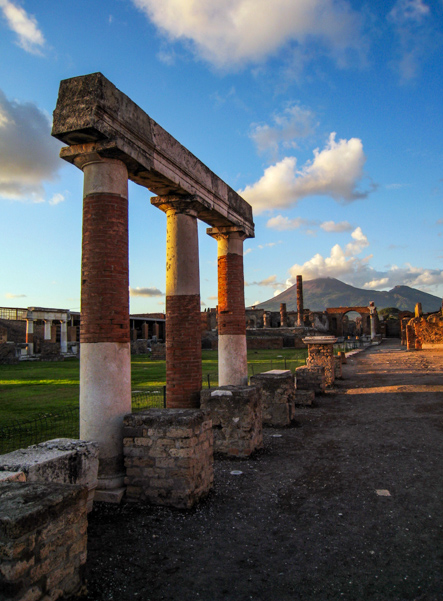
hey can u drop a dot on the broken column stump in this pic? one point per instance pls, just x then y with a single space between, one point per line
277 396
43 536
321 354
168 456
310 378
237 419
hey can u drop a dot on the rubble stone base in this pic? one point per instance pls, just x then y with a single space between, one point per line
310 378
277 396
237 419
168 456
43 540
304 397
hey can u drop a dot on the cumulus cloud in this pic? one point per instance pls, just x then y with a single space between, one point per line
410 19
335 171
331 226
145 292
281 223
30 38
28 153
236 32
294 122
57 199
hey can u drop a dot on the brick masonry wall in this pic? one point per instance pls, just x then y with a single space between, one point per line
237 419
428 330
105 270
231 297
256 343
183 351
168 456
43 536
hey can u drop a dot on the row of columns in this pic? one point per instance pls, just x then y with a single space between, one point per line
105 383
47 334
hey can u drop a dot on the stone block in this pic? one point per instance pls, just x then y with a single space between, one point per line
61 460
310 378
277 396
168 456
43 536
304 397
237 419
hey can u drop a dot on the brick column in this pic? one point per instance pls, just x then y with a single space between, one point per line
30 334
283 316
183 332
299 300
232 356
105 360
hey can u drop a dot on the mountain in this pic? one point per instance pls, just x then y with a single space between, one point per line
328 292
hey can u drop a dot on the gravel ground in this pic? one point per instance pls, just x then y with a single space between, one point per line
346 504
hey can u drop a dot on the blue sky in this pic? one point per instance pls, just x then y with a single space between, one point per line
326 115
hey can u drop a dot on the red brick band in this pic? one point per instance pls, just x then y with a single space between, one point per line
105 269
183 351
231 295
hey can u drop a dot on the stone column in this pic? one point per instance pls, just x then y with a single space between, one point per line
30 334
105 361
283 316
266 319
232 355
183 332
48 325
299 300
373 310
64 337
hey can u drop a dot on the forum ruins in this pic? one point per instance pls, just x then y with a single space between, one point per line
159 456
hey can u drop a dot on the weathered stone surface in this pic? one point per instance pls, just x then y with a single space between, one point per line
310 378
62 460
277 396
321 354
43 536
8 353
304 397
51 351
168 456
237 419
93 116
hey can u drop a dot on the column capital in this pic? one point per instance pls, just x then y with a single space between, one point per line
226 232
185 205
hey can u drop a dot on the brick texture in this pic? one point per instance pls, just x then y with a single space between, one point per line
105 270
183 351
231 295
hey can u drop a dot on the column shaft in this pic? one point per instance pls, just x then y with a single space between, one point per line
183 332
105 363
232 350
299 300
64 337
30 336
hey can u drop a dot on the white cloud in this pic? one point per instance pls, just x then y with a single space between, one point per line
376 284
294 122
409 11
57 199
281 223
145 292
236 32
30 38
28 153
269 281
10 295
331 226
335 171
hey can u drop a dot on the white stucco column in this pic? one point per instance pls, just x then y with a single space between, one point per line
105 359
48 325
232 350
30 335
64 337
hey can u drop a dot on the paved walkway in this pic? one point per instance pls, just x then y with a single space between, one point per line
349 505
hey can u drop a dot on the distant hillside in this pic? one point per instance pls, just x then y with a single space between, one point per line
329 292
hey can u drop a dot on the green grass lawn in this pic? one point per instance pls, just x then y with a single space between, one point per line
34 388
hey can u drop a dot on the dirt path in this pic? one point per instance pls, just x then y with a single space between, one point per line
304 520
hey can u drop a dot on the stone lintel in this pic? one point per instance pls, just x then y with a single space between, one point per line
319 340
275 374
92 115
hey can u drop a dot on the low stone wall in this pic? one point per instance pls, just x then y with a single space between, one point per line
427 332
8 353
62 461
168 456
237 419
158 350
43 536
50 351
257 343
310 378
277 396
140 347
304 397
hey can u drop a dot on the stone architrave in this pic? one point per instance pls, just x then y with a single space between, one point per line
321 354
232 351
183 334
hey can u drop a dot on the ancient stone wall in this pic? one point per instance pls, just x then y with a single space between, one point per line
277 396
310 378
425 332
